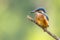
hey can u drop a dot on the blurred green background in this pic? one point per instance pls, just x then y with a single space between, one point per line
14 24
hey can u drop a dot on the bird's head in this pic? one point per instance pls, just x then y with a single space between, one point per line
39 10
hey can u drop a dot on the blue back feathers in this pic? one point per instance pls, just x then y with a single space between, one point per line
46 17
42 9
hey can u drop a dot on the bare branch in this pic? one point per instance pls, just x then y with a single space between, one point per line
45 30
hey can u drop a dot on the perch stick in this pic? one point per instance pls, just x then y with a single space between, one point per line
45 30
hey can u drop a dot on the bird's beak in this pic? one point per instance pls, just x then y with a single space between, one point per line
33 11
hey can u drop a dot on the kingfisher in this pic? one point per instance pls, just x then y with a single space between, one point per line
41 17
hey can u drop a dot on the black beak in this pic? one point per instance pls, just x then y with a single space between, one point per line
33 11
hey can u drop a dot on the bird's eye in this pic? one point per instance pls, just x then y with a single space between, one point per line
40 12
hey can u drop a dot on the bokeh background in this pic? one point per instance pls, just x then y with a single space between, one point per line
14 24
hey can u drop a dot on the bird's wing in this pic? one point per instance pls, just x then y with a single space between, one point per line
46 17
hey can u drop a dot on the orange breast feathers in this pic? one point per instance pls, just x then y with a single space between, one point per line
41 20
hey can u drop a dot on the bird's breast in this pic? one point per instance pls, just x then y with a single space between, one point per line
41 20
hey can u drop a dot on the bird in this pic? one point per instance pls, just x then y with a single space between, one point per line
41 17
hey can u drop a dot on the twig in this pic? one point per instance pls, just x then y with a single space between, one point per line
45 30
